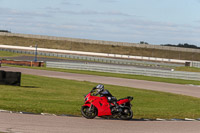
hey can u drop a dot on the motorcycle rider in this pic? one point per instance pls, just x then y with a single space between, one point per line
107 94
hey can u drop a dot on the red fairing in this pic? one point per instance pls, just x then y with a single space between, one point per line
123 101
99 106
101 103
103 106
87 105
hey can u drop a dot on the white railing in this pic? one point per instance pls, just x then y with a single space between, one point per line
100 59
125 70
195 64
95 54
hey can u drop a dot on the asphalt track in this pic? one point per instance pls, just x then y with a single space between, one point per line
22 123
26 123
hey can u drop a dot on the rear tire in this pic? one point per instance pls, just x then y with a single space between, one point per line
88 114
127 114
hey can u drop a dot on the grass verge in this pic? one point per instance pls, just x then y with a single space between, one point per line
59 96
188 69
127 76
8 54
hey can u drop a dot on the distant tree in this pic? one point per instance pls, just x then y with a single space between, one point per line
142 42
5 31
185 45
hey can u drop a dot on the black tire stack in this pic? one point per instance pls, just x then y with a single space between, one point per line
10 78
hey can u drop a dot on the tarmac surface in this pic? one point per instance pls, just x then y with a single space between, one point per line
27 123
22 123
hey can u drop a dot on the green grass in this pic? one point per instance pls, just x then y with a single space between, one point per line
8 54
127 76
59 96
188 69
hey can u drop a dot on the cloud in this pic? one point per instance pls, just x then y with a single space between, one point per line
129 30
52 9
140 24
108 13
87 12
136 29
108 1
31 26
70 3
25 14
108 25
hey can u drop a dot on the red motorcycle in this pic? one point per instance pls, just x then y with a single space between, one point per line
99 106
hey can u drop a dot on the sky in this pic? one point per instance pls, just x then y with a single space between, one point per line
151 21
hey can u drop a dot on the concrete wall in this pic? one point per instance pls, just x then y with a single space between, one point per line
103 42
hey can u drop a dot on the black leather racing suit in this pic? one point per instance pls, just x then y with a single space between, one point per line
110 97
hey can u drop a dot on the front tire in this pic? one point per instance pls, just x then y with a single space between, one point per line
127 114
88 114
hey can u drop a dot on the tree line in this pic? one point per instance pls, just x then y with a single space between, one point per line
184 45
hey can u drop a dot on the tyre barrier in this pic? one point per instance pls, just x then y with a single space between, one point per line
10 78
68 115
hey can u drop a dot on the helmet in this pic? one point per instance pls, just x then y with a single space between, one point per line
100 87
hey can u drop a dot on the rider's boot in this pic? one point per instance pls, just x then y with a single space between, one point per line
118 109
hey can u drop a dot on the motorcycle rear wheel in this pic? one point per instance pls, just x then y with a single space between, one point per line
88 114
127 114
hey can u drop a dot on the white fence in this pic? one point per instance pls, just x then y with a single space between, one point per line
195 64
125 70
57 51
101 59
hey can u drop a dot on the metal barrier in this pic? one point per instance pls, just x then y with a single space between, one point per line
195 64
125 70
93 54
98 59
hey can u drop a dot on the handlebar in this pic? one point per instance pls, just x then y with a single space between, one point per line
94 91
91 91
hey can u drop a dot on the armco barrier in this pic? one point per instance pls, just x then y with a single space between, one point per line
195 64
148 60
125 70
20 49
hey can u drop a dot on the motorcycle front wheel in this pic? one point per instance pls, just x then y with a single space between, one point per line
88 114
127 114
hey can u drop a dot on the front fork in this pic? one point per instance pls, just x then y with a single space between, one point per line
91 108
